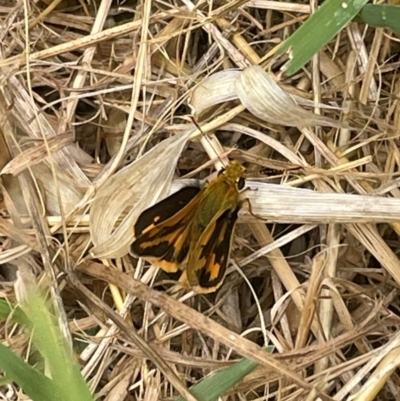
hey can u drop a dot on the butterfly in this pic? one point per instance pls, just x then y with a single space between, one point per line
192 230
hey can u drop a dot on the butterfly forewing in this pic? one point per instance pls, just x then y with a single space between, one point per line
162 230
165 209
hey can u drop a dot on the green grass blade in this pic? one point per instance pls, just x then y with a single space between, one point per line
215 386
382 16
36 385
318 30
4 380
52 346
17 315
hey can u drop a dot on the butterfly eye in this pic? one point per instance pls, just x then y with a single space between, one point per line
241 182
221 171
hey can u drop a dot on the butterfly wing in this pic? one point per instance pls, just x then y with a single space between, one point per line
208 258
161 231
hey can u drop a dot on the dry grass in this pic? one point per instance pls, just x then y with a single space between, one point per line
86 90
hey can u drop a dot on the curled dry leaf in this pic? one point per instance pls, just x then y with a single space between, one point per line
261 95
215 89
125 195
264 98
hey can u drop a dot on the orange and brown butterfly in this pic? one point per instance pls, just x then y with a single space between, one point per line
192 230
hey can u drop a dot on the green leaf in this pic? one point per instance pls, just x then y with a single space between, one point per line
67 383
17 315
50 342
218 384
317 31
382 16
4 380
33 383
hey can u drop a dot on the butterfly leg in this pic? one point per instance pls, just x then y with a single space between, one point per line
247 200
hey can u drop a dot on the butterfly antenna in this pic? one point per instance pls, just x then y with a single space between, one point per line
212 146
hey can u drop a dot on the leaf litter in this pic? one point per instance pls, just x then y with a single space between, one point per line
83 151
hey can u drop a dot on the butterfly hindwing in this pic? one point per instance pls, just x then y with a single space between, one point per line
207 262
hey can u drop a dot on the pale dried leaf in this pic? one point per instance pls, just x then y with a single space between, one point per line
261 95
264 98
25 283
119 392
36 125
12 254
126 194
51 190
214 89
18 235
284 204
36 154
69 193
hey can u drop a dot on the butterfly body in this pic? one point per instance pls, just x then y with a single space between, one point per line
194 226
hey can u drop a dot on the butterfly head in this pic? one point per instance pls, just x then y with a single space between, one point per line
233 174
